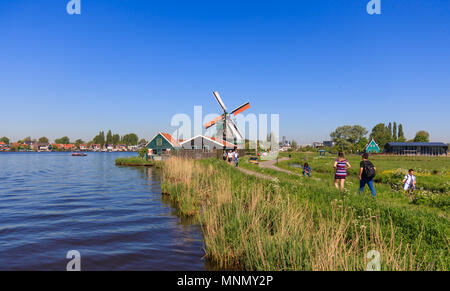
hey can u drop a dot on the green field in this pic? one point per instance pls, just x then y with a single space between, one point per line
433 176
301 223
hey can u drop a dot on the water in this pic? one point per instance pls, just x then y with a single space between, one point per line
115 217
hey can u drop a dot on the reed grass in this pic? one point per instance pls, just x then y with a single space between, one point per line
254 224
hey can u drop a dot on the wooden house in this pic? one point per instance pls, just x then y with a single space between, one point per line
161 143
372 147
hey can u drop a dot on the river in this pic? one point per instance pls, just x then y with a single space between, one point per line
115 217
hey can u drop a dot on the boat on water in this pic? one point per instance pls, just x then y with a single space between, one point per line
79 154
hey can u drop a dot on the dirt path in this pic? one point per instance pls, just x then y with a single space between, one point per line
270 165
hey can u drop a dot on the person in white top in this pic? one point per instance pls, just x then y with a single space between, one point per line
230 157
236 158
409 181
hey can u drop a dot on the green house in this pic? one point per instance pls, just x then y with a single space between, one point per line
372 147
162 143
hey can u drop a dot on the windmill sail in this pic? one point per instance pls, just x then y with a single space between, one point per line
241 109
231 126
219 100
214 121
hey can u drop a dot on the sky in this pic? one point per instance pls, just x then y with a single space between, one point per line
130 65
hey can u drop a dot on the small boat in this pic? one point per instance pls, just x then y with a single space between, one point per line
79 154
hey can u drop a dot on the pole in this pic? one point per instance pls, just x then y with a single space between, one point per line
225 131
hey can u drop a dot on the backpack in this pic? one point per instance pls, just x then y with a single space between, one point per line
369 171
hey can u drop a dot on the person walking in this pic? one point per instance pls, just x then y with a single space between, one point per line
230 157
409 184
367 172
236 158
341 165
306 170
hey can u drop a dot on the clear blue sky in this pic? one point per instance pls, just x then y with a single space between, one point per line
129 66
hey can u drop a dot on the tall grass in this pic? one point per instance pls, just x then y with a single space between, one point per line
253 224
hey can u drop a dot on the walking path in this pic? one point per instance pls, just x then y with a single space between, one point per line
269 165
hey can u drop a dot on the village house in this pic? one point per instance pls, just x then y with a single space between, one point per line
44 147
201 142
95 147
372 147
3 146
122 147
162 143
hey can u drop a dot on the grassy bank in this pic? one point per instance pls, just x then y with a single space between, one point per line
301 224
134 161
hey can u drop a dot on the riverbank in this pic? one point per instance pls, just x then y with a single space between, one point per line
294 223
136 162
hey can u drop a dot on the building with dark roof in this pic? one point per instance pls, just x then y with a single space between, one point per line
416 148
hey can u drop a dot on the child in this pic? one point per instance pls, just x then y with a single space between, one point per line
409 181
306 170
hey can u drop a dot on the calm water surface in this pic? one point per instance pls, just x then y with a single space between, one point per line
115 217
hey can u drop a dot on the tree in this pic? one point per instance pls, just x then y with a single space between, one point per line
359 147
390 130
294 145
422 136
43 140
142 152
25 140
99 138
78 142
401 135
381 134
347 137
130 139
116 139
109 137
62 140
142 141
394 131
5 140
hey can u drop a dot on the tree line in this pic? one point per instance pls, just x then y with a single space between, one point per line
100 138
353 138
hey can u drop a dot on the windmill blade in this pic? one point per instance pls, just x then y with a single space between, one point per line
234 130
219 100
212 122
241 109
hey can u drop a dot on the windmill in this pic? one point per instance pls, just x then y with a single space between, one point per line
224 124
